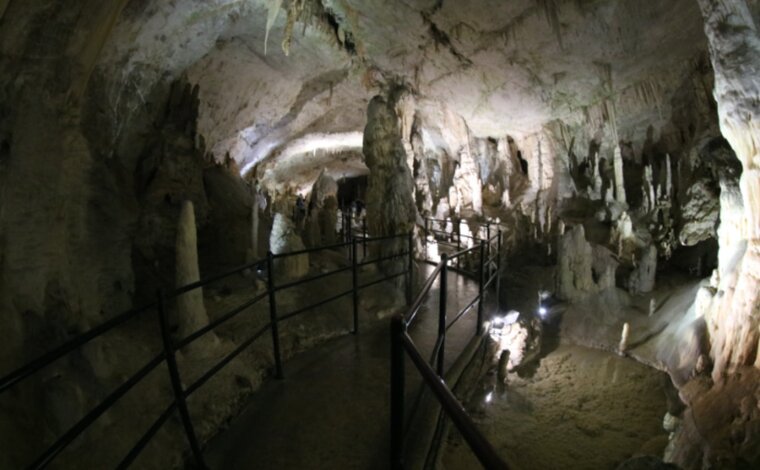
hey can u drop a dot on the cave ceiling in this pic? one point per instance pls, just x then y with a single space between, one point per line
273 73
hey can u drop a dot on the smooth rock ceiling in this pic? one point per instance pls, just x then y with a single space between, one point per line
506 67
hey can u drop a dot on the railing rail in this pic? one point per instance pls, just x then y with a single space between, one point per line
433 372
480 446
170 346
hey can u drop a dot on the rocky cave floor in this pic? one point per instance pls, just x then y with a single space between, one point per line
580 405
578 408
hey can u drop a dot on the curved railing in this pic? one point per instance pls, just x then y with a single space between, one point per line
433 371
171 346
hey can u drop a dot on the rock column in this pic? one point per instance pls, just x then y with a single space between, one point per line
390 191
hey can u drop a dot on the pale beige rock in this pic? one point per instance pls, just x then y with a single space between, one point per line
191 312
284 239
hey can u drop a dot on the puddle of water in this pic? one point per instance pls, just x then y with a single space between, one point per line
579 409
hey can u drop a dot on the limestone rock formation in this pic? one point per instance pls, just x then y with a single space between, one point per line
390 191
643 278
518 342
322 211
700 213
284 239
191 312
607 117
582 269
731 29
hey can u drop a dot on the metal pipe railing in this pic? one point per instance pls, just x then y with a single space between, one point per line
442 304
48 358
401 343
170 346
433 372
176 381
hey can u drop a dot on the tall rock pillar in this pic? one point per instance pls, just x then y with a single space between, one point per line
390 191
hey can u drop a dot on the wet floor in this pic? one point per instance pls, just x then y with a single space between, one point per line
332 408
579 409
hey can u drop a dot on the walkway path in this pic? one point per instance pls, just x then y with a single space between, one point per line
332 409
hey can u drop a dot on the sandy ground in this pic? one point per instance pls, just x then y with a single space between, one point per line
579 409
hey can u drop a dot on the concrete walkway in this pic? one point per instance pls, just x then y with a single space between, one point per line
332 409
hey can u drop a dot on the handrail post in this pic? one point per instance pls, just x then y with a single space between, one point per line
355 284
459 241
273 316
488 237
479 325
498 269
410 268
350 228
424 245
179 393
364 240
397 392
442 312
343 223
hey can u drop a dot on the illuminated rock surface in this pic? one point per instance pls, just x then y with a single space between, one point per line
613 142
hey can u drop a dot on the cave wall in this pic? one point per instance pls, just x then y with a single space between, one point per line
734 313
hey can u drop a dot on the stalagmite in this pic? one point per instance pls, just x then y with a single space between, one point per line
623 346
648 189
619 183
595 191
191 312
322 218
390 192
284 239
668 193
642 279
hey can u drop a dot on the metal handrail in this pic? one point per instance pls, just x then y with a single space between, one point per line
463 252
225 360
306 251
462 312
379 238
48 358
224 318
63 441
433 371
312 278
170 347
480 446
384 258
420 299
211 279
315 305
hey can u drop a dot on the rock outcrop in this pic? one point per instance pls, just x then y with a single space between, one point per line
390 191
582 269
285 239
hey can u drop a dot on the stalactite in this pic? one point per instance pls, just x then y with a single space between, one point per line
294 13
551 11
273 9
